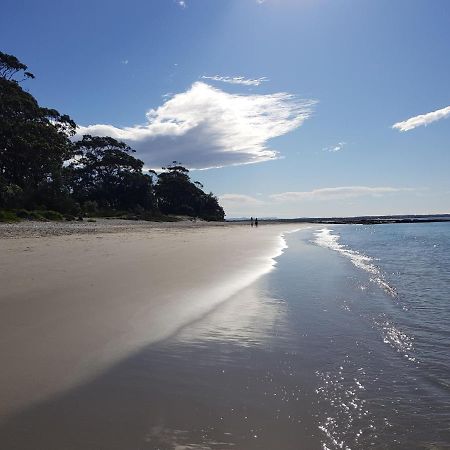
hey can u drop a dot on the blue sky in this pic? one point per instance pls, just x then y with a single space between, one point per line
295 116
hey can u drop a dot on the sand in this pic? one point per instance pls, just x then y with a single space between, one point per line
74 300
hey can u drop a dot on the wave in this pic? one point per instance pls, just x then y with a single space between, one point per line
325 238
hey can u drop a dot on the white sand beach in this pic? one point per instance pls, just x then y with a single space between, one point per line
74 301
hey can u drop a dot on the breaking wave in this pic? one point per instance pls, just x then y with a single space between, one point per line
325 238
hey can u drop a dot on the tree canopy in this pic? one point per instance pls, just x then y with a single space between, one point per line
177 194
41 166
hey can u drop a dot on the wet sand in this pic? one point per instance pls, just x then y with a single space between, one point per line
73 304
222 382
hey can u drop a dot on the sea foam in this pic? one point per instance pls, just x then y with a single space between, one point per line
325 238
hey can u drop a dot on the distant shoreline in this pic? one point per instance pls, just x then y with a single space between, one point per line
362 220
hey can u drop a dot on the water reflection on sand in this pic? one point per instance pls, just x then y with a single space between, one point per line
249 319
241 379
226 381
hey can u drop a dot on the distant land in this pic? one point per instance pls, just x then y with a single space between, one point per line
411 218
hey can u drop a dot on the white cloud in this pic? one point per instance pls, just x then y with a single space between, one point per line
423 119
206 127
336 193
182 3
335 148
237 80
236 205
239 200
124 61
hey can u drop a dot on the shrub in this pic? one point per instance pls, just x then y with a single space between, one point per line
90 207
51 215
8 216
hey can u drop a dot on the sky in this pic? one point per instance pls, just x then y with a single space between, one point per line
282 108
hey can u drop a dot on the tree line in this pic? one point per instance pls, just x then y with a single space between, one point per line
43 168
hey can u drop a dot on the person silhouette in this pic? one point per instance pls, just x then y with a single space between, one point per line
251 221
256 221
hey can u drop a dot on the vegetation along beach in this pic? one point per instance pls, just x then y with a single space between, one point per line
224 224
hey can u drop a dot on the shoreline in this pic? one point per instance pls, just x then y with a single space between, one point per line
110 225
74 304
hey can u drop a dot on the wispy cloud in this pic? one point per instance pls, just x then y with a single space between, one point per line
237 80
124 61
241 205
337 193
423 119
206 127
335 148
182 3
240 200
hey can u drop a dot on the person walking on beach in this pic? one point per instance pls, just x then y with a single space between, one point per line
256 221
251 221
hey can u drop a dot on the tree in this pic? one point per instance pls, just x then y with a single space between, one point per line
105 171
34 141
177 194
11 66
41 167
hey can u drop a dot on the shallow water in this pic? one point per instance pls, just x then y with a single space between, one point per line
344 345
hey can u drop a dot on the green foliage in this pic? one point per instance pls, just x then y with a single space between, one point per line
34 142
44 175
177 194
105 173
90 207
10 66
52 215
41 215
8 216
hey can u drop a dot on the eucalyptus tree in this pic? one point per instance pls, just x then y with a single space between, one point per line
34 141
104 170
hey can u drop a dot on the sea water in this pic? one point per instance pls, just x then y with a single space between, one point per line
345 344
392 388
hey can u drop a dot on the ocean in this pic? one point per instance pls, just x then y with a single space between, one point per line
387 380
343 345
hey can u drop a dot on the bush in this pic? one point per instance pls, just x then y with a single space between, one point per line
11 195
8 216
51 215
90 207
28 215
40 215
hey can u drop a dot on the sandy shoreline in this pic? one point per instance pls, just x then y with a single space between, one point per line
97 226
73 303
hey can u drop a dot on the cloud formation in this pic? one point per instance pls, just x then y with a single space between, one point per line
239 200
336 193
423 119
335 148
206 127
237 80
